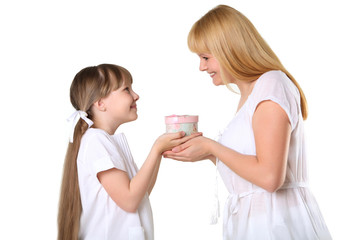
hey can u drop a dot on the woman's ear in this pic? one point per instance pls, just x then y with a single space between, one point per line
100 105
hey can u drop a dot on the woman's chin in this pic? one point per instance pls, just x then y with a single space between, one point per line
217 82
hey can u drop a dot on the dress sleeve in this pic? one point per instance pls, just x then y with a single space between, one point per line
277 87
102 155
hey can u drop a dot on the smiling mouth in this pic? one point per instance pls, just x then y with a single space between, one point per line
212 74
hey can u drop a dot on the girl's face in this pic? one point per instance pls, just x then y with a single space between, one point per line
121 104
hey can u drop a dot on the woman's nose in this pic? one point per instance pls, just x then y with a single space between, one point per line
202 66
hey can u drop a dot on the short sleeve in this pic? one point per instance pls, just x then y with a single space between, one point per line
277 87
102 154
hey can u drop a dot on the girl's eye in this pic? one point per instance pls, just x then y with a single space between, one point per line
127 89
205 58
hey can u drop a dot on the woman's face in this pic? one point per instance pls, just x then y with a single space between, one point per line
210 64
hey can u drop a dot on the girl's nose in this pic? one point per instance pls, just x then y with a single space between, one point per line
135 96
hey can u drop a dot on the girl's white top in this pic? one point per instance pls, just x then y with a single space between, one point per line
251 212
101 218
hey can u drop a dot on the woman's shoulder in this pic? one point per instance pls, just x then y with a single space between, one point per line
274 82
273 77
278 87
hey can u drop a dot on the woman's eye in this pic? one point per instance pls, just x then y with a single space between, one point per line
205 58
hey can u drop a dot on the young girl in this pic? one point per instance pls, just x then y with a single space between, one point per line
103 194
261 154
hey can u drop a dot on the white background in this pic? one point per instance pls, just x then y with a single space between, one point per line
43 44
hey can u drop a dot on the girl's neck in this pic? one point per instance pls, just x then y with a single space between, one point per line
110 130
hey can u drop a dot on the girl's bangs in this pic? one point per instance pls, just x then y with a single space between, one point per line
117 76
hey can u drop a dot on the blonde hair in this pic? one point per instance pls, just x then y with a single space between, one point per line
88 86
233 40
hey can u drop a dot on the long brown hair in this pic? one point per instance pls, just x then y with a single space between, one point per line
228 35
88 86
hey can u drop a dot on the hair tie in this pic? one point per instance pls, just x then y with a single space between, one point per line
74 118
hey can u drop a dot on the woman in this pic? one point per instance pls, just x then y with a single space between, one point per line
261 154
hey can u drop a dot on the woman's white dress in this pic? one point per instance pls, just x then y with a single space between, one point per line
251 212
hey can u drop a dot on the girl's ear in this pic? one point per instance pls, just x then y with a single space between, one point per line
100 105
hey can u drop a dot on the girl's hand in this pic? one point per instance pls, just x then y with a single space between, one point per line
168 141
193 150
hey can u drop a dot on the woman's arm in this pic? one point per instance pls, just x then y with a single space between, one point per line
267 169
128 194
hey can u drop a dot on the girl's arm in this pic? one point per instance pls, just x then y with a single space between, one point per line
154 177
128 194
267 169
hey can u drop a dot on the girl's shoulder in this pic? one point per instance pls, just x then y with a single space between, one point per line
95 134
98 139
97 142
101 151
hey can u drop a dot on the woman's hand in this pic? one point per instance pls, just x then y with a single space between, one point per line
195 149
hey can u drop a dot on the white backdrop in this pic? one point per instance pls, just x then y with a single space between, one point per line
43 44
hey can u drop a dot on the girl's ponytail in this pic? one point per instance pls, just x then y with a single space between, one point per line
70 202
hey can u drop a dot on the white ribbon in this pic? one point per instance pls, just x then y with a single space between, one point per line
74 118
233 204
215 212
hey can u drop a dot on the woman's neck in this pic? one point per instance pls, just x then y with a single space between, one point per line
245 89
